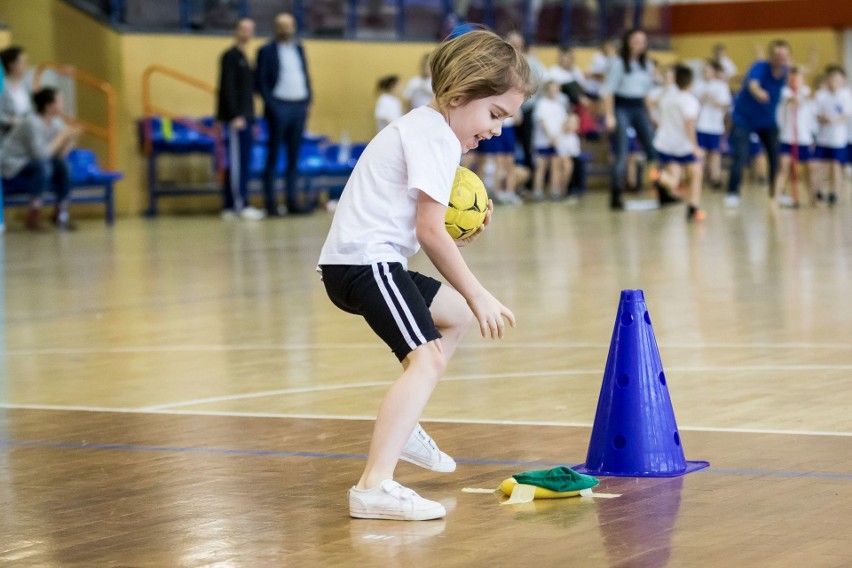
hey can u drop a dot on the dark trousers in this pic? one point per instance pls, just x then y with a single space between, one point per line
525 132
235 184
740 154
627 114
40 176
286 126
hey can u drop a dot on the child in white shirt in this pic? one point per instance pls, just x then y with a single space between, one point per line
568 149
418 90
394 203
676 142
388 105
833 108
549 116
796 121
715 98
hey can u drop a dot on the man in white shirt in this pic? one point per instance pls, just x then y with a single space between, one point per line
283 81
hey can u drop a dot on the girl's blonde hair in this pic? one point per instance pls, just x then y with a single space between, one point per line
477 65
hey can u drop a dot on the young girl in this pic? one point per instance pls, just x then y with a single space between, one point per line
715 97
502 149
568 149
388 105
796 116
833 108
676 142
550 114
395 203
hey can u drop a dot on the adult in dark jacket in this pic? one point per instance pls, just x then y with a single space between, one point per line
283 82
235 110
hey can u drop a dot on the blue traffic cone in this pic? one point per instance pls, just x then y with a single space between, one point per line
635 433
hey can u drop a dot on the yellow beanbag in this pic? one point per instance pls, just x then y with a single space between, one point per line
540 492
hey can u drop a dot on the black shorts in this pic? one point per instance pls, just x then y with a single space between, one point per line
394 301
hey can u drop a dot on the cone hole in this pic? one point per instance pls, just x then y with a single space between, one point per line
620 441
662 378
647 318
622 380
626 318
676 439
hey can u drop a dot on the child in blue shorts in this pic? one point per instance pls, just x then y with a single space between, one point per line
715 97
502 150
676 143
833 108
796 122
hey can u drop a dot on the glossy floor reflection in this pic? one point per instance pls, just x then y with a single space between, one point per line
180 392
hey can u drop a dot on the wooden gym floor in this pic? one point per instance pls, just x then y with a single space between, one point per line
180 392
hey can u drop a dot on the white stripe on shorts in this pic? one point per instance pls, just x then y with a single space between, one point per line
404 305
396 316
234 167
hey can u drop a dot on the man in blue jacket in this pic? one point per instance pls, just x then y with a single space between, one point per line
755 111
283 82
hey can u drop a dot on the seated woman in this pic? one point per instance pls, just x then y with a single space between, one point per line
33 157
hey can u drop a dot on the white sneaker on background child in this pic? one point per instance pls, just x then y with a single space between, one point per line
390 500
421 450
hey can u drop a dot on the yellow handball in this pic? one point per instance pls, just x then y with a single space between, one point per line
467 206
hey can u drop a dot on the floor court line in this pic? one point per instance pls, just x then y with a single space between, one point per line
364 417
376 346
488 376
323 455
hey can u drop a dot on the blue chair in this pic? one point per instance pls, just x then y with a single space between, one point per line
89 184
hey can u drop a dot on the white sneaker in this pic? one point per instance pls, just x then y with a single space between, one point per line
785 200
732 200
252 213
421 450
390 500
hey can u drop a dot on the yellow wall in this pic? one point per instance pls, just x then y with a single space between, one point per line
31 23
5 38
743 47
344 76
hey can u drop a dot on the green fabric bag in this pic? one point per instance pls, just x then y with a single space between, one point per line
559 479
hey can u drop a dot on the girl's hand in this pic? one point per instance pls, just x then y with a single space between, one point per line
490 315
476 234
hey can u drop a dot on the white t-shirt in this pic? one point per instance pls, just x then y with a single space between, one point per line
562 76
568 145
549 116
418 91
375 218
833 106
849 131
676 107
728 66
655 96
711 119
599 66
22 99
805 117
388 109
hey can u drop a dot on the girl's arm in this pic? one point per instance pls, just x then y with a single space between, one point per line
444 254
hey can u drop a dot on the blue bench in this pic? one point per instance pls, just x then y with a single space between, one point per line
89 184
318 164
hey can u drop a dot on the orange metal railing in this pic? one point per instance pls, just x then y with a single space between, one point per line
150 109
104 133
